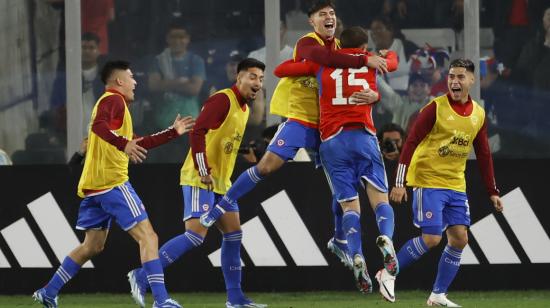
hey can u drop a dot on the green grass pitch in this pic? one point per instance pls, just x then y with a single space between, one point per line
500 299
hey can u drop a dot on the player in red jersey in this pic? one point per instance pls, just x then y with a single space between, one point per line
349 149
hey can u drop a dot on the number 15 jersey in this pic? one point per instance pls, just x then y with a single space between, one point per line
336 85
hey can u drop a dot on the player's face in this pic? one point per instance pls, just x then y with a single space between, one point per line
127 83
178 40
249 82
459 82
324 22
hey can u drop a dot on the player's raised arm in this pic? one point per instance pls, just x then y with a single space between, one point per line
291 68
392 60
181 126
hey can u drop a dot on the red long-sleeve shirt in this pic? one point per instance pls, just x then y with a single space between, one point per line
309 49
109 117
212 115
424 124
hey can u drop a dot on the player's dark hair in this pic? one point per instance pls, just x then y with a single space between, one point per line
249 63
89 36
319 5
354 37
465 63
390 127
112 66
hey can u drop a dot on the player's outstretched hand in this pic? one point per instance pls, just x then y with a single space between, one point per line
183 124
383 52
378 63
208 180
363 97
398 194
135 152
497 203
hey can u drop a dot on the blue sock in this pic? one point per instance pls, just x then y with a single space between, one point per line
173 250
64 273
231 265
411 252
244 183
177 246
155 277
384 219
339 233
352 228
448 267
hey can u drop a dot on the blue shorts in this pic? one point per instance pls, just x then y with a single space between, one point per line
437 207
351 157
290 137
197 201
121 203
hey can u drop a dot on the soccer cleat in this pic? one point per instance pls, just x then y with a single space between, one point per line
169 303
137 289
385 245
386 283
440 300
362 278
341 251
246 303
43 298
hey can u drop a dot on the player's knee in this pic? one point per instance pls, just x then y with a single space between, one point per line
265 169
459 241
96 249
150 239
431 240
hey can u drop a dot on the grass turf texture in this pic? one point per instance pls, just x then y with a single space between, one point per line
500 299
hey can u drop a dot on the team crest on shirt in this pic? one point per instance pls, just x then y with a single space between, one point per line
280 142
228 147
429 215
205 207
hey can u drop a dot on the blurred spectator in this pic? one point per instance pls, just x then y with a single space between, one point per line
404 107
175 81
431 62
391 138
92 87
384 35
176 77
44 146
229 75
96 15
533 66
413 13
515 22
284 54
4 159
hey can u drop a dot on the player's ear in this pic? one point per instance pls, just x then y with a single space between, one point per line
310 21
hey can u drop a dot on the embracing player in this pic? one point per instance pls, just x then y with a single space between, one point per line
296 98
349 149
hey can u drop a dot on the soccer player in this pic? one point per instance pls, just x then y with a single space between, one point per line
433 163
205 177
105 187
297 99
344 124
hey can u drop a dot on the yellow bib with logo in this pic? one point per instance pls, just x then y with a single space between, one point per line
222 147
298 97
439 160
105 166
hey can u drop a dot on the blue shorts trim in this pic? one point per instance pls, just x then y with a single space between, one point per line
290 137
121 203
350 158
197 201
436 207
